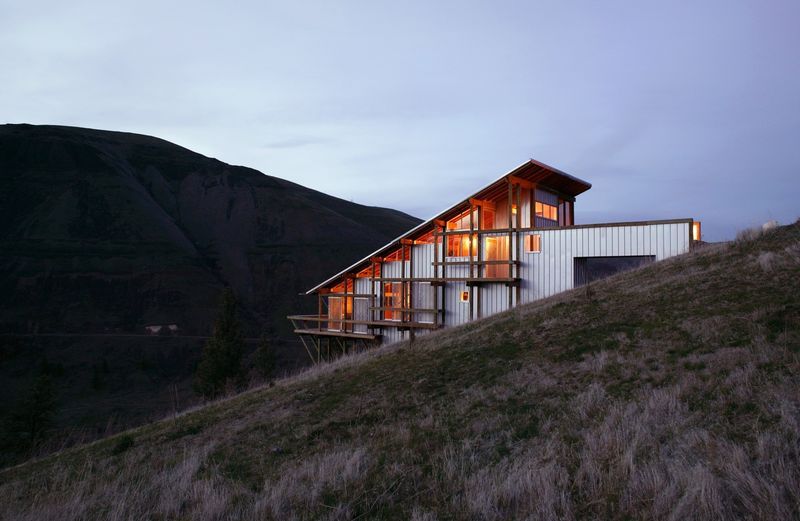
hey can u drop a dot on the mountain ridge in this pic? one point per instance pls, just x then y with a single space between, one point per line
103 233
122 191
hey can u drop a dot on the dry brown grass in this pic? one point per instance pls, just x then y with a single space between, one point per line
673 393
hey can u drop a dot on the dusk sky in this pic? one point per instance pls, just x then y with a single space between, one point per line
670 109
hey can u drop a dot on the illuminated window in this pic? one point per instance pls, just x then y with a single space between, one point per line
533 243
514 209
391 299
365 273
546 211
465 296
397 255
340 288
696 235
458 245
425 239
487 218
461 222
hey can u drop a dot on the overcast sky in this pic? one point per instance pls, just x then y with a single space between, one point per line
670 109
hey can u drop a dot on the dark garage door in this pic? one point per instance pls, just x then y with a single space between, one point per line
588 269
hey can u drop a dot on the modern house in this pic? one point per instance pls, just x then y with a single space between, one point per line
512 242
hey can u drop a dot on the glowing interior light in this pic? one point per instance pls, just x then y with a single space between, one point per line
514 209
696 231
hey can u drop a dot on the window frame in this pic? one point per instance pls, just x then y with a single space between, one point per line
529 243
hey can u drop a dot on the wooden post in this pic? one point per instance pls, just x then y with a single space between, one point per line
435 286
319 311
381 314
510 236
402 285
480 267
344 307
372 298
471 230
444 273
519 246
411 332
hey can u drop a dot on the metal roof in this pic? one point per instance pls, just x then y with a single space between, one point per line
531 169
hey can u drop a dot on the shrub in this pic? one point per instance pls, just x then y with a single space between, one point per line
123 443
265 357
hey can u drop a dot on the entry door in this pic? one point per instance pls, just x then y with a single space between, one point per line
496 248
335 313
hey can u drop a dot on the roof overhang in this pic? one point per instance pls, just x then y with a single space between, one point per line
532 171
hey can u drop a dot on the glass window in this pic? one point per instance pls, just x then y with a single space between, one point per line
458 245
533 243
696 235
546 211
391 299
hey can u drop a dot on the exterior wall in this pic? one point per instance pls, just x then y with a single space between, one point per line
541 274
361 305
551 271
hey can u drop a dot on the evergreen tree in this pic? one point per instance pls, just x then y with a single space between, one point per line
265 357
33 415
221 362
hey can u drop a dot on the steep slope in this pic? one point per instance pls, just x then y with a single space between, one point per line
107 231
670 392
104 232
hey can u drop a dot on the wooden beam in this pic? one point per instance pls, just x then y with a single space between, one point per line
524 183
480 203
314 332
480 263
414 310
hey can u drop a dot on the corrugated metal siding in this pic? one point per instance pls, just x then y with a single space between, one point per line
423 261
543 274
422 298
551 271
541 222
546 197
361 305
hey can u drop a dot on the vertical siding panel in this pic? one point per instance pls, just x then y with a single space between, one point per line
542 274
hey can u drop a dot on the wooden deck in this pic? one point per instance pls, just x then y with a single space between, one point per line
340 334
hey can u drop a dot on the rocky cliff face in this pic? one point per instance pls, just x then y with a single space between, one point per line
107 231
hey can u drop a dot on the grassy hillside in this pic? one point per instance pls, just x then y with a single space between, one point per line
671 392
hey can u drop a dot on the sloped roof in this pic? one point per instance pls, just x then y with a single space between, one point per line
530 170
